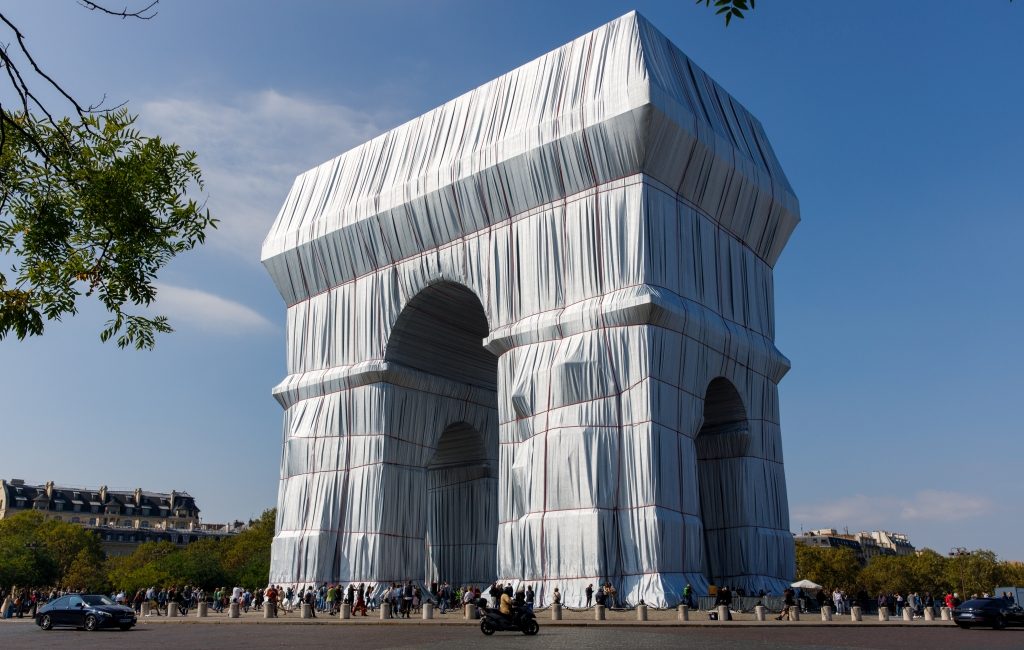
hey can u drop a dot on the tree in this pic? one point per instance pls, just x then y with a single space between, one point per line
887 574
829 567
68 544
246 556
89 207
978 570
928 571
143 568
37 551
197 564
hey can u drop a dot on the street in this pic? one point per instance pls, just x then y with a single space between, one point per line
448 637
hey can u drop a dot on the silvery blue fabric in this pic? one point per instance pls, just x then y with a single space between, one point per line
530 338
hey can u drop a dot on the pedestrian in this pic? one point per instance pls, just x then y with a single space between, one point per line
310 599
360 600
407 595
590 594
688 595
789 600
332 594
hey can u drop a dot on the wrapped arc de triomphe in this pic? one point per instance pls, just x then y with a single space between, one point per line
530 338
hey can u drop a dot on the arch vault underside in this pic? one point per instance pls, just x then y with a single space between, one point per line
530 338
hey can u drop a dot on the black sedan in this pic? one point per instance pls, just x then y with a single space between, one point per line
988 612
86 611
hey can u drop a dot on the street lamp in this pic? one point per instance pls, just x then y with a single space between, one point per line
960 552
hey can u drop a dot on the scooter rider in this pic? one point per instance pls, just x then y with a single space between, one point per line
505 605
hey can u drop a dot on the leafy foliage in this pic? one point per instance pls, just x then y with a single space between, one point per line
926 571
46 552
37 551
730 8
242 559
246 556
836 567
91 208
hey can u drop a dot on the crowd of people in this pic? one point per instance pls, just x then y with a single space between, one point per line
406 599
894 602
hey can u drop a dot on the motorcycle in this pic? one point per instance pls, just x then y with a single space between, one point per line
522 620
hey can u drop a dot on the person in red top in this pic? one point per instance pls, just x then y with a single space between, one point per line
271 595
949 600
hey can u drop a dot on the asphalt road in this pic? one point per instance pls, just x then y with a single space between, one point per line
450 637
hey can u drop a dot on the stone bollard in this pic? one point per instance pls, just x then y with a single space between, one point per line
599 613
908 614
883 613
794 613
723 613
855 613
201 611
145 608
946 614
641 612
472 612
5 606
684 613
428 611
233 611
929 614
172 610
385 610
269 610
346 612
305 612
826 613
556 612
760 612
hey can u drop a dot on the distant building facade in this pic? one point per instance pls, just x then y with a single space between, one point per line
121 519
865 544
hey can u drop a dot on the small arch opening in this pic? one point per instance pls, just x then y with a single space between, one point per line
461 495
721 443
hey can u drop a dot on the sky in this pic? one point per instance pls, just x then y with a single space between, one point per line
899 298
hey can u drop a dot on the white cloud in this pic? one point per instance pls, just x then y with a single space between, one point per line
252 147
207 311
937 505
861 511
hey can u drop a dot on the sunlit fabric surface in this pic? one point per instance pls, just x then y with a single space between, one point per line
530 338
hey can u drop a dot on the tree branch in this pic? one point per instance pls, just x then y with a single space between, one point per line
146 13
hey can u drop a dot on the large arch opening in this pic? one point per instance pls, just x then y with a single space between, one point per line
721 444
440 332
